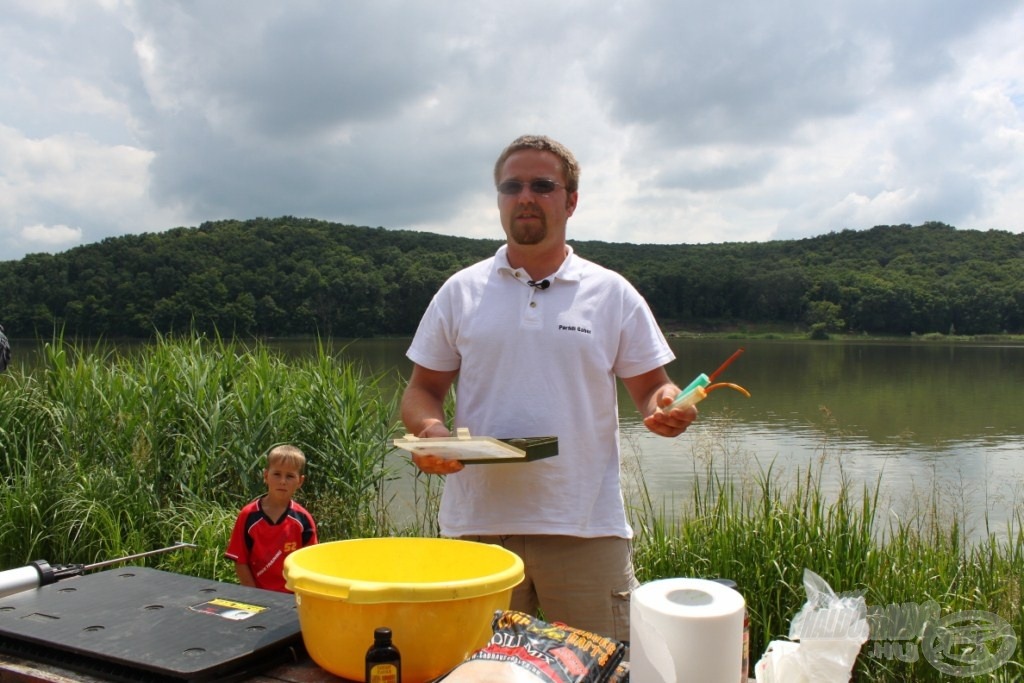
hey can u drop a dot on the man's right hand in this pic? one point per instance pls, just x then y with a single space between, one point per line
432 464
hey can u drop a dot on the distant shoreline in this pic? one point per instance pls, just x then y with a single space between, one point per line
769 332
670 330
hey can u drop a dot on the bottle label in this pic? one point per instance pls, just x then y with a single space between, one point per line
383 673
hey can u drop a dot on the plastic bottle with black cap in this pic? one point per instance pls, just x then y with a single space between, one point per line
383 661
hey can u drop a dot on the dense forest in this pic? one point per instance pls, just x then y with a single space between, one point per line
294 276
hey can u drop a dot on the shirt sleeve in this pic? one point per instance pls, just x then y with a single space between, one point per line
642 346
432 346
309 532
238 549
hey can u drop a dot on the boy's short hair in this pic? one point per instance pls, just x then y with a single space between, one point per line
286 454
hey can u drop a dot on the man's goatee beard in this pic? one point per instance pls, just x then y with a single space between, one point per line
528 236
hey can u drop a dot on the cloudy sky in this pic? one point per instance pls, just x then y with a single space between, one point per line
694 120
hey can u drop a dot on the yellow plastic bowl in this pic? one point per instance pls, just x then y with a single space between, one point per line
437 596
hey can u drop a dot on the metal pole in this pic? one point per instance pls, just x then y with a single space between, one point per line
107 563
40 573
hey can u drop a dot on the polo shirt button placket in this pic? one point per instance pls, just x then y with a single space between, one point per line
532 317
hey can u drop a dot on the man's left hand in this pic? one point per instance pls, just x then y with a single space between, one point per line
671 423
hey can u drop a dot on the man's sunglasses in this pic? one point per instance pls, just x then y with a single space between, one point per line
538 186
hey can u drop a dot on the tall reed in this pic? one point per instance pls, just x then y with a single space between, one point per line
108 453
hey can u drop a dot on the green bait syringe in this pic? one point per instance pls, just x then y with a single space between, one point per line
697 390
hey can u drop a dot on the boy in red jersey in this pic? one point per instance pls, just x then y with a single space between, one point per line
273 525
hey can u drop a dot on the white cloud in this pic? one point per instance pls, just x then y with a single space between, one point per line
694 121
50 236
101 190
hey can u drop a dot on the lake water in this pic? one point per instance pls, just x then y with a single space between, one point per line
936 426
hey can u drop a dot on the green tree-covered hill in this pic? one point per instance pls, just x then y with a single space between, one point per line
296 276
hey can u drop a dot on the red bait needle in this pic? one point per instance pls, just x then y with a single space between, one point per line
723 366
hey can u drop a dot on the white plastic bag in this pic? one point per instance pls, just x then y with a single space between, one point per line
825 637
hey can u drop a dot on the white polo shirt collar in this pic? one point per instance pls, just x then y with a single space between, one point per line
571 269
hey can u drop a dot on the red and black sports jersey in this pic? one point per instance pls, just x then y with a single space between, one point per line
263 543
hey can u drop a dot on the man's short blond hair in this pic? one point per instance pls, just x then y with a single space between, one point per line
286 454
570 167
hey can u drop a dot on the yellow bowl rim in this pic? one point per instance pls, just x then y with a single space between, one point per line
303 582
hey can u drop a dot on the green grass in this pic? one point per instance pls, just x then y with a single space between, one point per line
107 454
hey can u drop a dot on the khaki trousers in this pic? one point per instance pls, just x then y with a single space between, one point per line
581 582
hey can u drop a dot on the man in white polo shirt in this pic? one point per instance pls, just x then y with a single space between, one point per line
536 336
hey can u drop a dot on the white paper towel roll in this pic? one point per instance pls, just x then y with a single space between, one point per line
685 631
